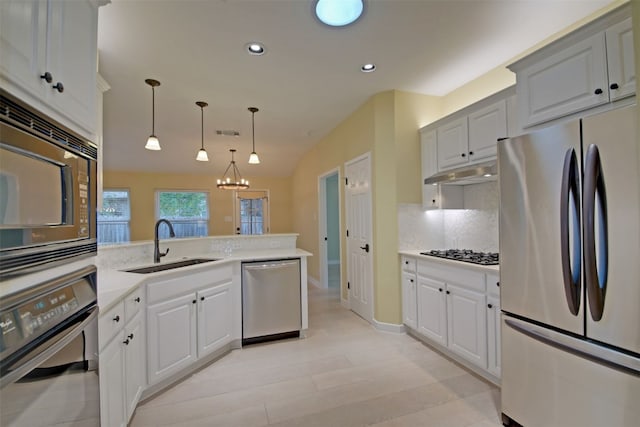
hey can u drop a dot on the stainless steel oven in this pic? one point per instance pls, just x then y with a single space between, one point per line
47 190
49 353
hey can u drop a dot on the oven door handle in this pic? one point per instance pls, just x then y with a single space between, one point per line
45 350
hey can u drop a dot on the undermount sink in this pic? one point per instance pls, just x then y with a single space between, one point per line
170 265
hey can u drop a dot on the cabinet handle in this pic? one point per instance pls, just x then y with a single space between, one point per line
201 298
59 87
406 262
137 299
489 305
463 155
440 289
498 284
471 153
130 336
194 301
598 91
116 319
614 86
47 77
448 292
411 280
433 201
126 342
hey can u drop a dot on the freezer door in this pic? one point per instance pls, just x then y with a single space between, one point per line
540 255
612 236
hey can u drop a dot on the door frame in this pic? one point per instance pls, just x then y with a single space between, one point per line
349 267
322 225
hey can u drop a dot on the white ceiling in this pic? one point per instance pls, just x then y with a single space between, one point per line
308 81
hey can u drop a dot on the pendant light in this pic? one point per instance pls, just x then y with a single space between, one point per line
253 158
232 183
202 153
152 141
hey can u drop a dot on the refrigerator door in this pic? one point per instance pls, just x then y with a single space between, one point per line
611 145
540 256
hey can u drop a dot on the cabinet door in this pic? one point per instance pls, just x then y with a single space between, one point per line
112 405
432 314
453 143
569 81
409 300
23 26
215 318
467 327
134 362
493 336
486 126
171 339
430 195
72 58
620 60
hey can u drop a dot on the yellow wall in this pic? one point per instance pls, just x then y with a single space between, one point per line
142 187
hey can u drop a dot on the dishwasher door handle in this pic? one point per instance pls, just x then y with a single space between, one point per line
272 266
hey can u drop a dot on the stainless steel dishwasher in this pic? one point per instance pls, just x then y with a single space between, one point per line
270 300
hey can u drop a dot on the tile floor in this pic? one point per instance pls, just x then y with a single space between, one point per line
345 373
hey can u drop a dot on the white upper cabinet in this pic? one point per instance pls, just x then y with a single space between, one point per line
48 58
453 141
486 126
589 68
436 196
620 60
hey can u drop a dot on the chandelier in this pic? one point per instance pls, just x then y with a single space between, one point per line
231 179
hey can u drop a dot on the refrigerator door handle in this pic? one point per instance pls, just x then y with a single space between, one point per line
588 350
595 245
570 231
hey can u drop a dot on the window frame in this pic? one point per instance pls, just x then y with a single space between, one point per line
128 221
178 222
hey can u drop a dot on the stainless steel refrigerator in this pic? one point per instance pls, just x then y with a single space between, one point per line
570 273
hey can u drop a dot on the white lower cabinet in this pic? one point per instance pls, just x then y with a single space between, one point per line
493 336
171 336
134 363
215 318
409 300
466 324
432 310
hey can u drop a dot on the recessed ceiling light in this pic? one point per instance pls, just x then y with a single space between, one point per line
338 13
368 68
255 48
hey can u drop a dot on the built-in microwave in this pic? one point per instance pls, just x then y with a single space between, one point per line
47 191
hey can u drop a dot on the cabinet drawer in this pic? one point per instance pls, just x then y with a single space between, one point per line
110 323
461 276
186 283
133 302
493 284
408 264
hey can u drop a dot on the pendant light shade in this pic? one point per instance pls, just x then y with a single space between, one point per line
202 153
152 141
253 157
231 179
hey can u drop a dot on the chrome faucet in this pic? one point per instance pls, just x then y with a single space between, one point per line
156 251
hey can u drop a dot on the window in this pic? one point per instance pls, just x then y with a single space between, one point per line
113 219
188 211
252 212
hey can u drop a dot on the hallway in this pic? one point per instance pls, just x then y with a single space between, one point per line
345 373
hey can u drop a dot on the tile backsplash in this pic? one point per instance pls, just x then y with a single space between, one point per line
474 227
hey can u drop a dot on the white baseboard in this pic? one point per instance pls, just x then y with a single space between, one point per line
315 282
389 327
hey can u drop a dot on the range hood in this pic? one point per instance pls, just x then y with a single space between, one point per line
466 175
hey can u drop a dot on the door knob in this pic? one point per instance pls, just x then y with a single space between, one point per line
365 248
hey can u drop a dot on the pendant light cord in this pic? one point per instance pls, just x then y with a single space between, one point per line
201 127
253 128
153 110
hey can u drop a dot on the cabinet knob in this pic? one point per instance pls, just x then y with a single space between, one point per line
194 301
448 292
59 87
126 342
411 280
471 153
463 155
598 91
116 319
201 298
130 336
498 284
440 289
614 86
137 299
47 77
433 201
489 305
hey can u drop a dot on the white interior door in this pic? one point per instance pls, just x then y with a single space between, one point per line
359 236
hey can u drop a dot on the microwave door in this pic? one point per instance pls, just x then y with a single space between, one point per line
533 265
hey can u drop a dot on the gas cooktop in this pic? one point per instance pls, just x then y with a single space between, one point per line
466 255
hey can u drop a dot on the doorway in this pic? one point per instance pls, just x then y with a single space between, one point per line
329 229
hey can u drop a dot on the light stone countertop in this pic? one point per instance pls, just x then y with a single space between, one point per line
451 262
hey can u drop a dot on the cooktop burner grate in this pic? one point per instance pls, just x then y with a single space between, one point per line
465 255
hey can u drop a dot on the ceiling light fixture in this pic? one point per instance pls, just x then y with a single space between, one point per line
253 158
368 68
237 183
338 13
202 153
152 141
255 48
